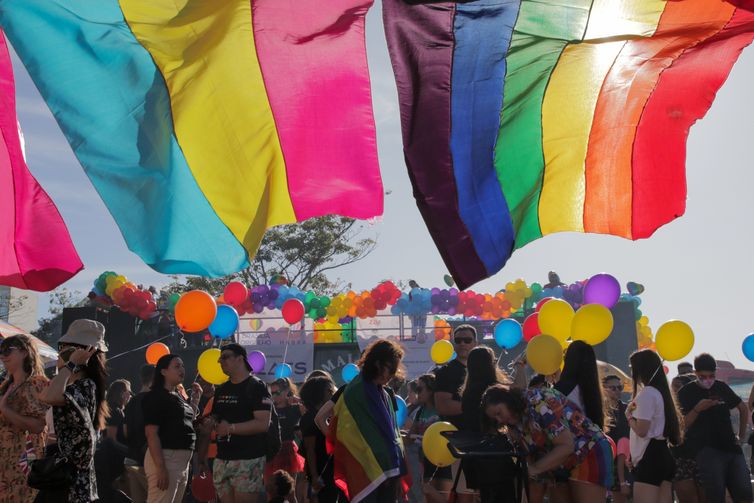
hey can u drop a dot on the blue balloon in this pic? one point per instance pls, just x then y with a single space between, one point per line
508 334
226 322
401 414
349 372
748 347
283 370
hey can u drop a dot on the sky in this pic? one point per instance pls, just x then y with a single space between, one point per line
697 268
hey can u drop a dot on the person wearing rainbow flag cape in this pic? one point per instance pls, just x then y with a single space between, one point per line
364 436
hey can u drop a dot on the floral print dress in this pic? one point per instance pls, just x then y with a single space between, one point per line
16 447
77 437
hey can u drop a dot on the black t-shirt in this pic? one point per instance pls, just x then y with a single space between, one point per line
309 429
236 403
449 379
471 419
288 418
618 424
134 419
712 427
116 419
174 417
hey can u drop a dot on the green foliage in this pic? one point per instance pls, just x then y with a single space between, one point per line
304 253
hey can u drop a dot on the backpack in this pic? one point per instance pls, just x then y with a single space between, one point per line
273 432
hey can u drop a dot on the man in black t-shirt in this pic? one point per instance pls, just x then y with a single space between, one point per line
706 405
448 381
241 418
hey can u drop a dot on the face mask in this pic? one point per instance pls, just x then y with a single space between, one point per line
706 383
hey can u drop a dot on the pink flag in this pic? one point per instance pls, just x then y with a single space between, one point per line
36 252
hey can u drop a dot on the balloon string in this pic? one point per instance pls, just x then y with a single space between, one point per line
140 347
287 341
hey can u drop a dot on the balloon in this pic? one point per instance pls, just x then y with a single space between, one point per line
401 413
235 293
748 347
435 446
155 351
293 311
592 323
544 354
225 323
531 326
674 340
508 333
349 372
448 279
602 289
283 370
542 303
257 361
441 352
209 367
555 319
195 311
255 324
203 487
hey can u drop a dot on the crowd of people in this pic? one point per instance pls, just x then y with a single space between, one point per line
317 443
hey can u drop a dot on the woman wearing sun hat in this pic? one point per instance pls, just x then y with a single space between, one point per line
77 396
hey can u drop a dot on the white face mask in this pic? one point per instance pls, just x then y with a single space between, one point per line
706 383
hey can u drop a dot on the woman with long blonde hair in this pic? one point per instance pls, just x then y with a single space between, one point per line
22 416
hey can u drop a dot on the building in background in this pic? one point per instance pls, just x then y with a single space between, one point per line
19 307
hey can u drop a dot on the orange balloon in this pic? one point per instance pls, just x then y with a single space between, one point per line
155 351
195 311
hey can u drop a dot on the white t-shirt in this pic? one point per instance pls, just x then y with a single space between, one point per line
649 407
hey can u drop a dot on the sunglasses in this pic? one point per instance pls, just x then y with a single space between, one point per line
7 351
464 340
615 388
277 393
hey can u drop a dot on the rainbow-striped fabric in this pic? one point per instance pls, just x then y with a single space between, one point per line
202 123
364 440
522 118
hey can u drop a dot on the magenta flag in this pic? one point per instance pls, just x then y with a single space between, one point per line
36 251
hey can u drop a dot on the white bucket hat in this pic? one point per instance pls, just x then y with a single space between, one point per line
86 333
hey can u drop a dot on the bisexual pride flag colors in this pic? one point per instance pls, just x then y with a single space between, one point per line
523 118
202 123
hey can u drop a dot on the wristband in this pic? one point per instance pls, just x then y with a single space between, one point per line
72 367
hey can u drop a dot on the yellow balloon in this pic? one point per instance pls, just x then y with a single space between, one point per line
544 354
592 324
674 340
441 352
209 367
435 446
555 319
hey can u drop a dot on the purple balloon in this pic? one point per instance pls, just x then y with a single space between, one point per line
602 289
257 360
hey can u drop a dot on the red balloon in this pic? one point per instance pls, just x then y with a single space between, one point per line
542 303
531 327
293 311
235 293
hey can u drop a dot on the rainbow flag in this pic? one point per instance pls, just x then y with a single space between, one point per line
36 251
364 440
523 118
201 124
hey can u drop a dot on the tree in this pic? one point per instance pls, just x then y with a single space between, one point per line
50 326
303 253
